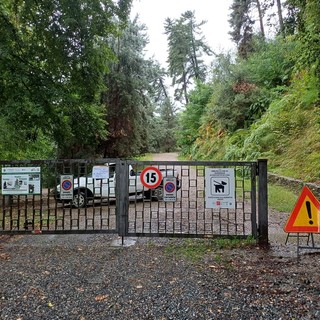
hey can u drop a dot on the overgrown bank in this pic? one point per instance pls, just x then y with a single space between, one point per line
264 104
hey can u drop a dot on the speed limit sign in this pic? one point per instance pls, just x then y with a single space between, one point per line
151 177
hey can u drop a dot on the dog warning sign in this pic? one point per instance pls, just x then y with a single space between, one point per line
220 188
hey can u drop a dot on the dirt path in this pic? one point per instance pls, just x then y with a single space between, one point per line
169 156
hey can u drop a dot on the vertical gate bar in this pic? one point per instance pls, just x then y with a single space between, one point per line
86 196
33 209
3 213
25 206
196 200
122 198
236 223
26 202
41 196
254 200
2 208
243 199
56 181
263 202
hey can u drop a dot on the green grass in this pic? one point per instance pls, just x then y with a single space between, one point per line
195 249
145 157
281 198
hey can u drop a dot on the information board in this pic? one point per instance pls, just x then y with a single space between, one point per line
220 188
21 180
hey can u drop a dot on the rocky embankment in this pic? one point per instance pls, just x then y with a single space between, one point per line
294 184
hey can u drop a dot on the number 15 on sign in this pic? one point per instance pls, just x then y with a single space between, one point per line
151 177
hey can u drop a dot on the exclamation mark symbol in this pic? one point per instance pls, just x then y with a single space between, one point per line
308 205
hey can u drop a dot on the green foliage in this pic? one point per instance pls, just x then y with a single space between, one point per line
270 66
53 57
308 51
241 26
265 106
288 136
18 144
129 108
189 121
165 132
186 47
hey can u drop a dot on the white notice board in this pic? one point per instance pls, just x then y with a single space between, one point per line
220 188
21 180
169 189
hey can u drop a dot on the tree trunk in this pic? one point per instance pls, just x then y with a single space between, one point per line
282 31
185 87
260 19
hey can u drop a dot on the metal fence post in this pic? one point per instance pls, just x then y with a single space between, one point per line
263 202
122 198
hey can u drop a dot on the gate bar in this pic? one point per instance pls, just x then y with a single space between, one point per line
263 202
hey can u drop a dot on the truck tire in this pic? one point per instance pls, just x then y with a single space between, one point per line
154 194
157 193
79 200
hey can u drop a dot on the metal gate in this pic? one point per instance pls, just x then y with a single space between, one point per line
42 210
36 198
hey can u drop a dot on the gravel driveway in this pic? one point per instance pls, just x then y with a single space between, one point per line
93 277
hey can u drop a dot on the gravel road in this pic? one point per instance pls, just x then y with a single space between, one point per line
88 277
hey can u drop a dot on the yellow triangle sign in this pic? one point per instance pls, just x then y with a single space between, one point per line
305 216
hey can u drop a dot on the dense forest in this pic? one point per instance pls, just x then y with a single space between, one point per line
75 83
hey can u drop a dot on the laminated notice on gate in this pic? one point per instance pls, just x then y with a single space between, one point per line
220 188
66 187
169 189
21 180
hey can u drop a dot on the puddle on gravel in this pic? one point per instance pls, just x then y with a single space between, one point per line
127 242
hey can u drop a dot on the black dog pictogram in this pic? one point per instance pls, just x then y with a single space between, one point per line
219 186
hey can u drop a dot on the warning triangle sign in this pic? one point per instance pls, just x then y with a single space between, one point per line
305 216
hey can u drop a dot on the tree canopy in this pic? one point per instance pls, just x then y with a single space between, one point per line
53 58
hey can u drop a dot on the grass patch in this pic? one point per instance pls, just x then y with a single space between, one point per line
145 157
195 249
281 198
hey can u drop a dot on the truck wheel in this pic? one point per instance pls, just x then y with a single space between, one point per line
157 194
79 200
147 194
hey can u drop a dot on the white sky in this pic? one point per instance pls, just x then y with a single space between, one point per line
153 13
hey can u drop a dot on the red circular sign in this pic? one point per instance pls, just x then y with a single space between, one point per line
66 185
151 177
170 187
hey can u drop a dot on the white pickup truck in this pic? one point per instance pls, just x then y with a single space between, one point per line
88 188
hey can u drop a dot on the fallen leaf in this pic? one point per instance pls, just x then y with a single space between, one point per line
101 297
4 256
